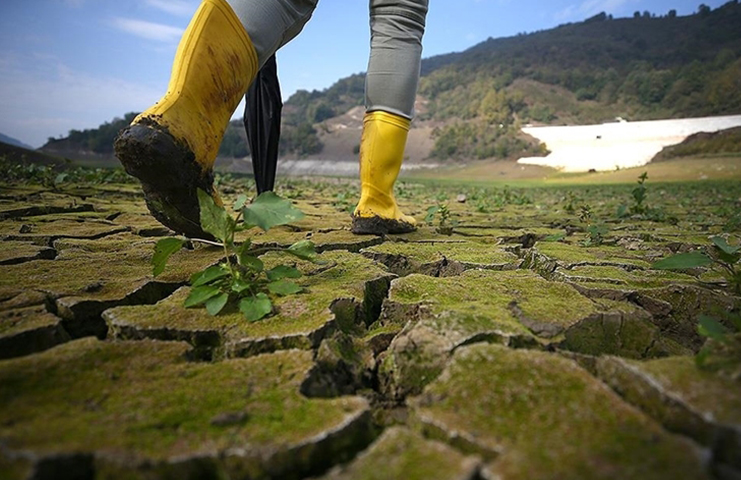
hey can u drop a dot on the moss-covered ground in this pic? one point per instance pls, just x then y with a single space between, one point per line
518 337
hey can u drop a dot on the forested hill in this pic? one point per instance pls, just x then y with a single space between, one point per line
645 67
648 66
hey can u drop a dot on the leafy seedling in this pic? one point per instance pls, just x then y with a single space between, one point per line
722 350
595 232
241 278
721 254
445 223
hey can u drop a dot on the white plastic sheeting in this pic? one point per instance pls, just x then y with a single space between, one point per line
617 145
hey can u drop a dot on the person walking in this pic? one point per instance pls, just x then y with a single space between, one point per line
171 147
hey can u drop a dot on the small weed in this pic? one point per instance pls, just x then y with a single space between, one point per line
722 350
445 223
241 278
344 202
595 232
570 202
721 254
639 195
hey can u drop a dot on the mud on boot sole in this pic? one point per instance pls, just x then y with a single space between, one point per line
379 226
169 174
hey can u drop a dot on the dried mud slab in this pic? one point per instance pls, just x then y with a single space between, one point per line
89 277
546 257
515 308
324 240
700 404
441 259
29 330
139 409
403 454
14 252
44 233
21 210
538 415
342 294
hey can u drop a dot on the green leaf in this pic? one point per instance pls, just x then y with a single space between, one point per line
283 271
431 213
200 294
214 305
255 308
253 263
209 275
162 252
622 211
284 287
304 250
214 219
711 328
721 243
269 210
683 261
240 203
240 286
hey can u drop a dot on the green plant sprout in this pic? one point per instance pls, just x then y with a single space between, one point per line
722 350
445 224
570 202
721 254
345 201
595 232
639 195
241 278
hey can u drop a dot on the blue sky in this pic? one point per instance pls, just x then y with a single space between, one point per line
68 64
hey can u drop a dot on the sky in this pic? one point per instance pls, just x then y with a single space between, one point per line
74 64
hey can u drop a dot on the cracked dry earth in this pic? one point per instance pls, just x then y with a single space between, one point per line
490 353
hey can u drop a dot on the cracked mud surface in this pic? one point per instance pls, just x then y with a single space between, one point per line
505 350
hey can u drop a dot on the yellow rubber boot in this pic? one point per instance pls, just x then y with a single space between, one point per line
381 153
171 147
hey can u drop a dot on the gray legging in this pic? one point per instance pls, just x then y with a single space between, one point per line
397 27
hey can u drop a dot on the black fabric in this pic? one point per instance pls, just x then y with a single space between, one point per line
262 116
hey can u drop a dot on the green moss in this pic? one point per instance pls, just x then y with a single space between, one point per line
100 274
58 228
18 251
15 469
707 392
464 252
605 277
14 322
549 419
144 399
486 294
401 454
572 254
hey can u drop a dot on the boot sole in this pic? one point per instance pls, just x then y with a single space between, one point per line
379 226
169 174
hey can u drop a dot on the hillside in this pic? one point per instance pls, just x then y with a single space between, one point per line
13 141
471 104
640 68
722 143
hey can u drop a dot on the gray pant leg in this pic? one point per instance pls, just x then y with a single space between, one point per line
397 27
272 23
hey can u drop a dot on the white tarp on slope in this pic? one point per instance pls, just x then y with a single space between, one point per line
611 145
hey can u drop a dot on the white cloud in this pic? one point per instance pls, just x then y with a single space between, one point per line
174 7
590 7
41 100
148 30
